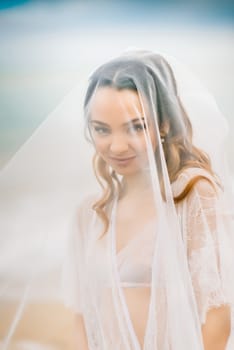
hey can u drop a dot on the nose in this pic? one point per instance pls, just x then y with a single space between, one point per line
118 144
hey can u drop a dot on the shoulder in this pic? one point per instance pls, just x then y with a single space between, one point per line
204 186
85 204
84 212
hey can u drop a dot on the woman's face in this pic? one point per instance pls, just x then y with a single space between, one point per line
118 129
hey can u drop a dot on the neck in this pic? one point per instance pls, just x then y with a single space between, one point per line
136 184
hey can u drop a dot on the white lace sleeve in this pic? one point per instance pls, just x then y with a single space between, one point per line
73 265
206 247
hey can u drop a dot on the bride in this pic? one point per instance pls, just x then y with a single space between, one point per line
149 253
148 262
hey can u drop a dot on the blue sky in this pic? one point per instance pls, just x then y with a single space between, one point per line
104 12
47 45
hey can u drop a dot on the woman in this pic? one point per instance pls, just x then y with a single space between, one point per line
150 260
150 255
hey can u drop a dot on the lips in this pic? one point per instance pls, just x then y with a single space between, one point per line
124 161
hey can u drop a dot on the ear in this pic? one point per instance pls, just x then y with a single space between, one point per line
164 129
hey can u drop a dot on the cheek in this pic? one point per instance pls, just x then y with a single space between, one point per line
153 142
100 145
139 143
153 139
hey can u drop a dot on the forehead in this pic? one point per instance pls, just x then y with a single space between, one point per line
108 103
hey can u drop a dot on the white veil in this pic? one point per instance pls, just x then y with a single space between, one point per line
47 180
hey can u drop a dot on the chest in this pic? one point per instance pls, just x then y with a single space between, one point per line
132 223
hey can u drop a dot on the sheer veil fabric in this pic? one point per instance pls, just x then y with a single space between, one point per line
142 266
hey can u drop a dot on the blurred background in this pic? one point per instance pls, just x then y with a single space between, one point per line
46 48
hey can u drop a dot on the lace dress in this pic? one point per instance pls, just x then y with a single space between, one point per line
88 263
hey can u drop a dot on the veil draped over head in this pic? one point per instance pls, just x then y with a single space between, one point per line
65 202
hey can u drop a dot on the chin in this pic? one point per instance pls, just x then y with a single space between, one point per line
126 171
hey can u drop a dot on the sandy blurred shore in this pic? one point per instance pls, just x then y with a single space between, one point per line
47 324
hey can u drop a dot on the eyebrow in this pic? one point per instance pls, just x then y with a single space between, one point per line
142 119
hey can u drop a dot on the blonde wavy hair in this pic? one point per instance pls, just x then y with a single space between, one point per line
179 151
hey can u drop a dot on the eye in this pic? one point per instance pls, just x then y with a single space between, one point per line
137 127
100 130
